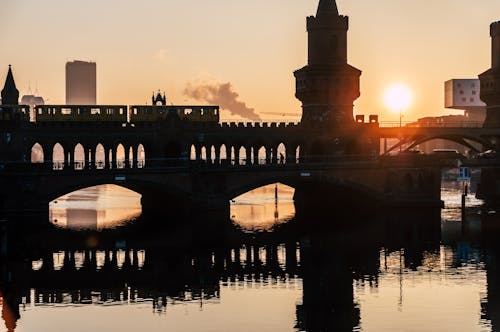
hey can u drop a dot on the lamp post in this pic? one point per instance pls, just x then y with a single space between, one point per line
398 98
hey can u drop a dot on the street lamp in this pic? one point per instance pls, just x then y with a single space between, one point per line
398 98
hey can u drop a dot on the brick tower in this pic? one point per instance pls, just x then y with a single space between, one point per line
328 85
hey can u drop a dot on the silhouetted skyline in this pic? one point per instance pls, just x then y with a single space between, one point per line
252 45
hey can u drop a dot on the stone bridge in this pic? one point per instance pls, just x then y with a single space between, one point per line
211 186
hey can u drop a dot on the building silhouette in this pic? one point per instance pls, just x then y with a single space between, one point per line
490 80
327 86
10 94
80 83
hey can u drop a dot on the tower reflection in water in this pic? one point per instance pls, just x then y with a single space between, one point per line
327 268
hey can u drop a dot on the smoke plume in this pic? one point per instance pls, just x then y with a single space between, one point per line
221 94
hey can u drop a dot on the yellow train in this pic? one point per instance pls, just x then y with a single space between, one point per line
163 112
85 113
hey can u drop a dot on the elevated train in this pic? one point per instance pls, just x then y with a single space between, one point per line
124 114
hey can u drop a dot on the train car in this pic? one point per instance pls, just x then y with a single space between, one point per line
162 112
81 113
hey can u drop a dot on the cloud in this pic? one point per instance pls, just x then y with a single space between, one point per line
160 55
221 94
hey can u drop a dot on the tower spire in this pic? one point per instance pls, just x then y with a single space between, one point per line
10 94
327 8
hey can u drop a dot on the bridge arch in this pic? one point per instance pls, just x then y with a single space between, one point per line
99 156
141 156
58 157
262 155
60 188
37 153
459 139
119 156
79 156
281 153
242 156
296 181
192 153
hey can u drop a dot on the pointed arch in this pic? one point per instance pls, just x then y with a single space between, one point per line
223 152
242 156
58 156
79 156
192 154
120 156
141 156
262 155
99 156
37 154
281 155
212 154
203 153
233 156
131 157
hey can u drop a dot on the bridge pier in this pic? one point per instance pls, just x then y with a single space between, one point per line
489 187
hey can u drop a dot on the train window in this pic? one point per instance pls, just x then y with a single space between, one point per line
201 111
188 111
121 111
135 111
66 111
215 111
40 111
95 111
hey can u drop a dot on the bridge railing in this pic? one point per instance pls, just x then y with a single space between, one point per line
431 124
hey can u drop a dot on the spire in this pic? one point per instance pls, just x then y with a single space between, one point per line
327 8
10 94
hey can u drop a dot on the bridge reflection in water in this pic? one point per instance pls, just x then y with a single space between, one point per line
95 208
341 273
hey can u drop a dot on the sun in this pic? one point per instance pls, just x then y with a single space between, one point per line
398 97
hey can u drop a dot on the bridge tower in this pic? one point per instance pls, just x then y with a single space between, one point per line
490 81
327 86
10 94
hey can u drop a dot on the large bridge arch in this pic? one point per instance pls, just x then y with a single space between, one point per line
143 188
298 181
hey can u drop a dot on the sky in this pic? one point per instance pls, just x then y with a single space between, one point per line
247 49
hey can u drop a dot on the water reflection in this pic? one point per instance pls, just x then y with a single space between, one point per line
402 270
263 208
97 207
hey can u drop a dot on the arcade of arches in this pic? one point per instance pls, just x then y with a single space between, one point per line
82 157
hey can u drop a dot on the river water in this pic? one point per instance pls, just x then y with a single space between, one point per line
263 270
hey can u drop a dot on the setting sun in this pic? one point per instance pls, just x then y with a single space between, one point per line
398 97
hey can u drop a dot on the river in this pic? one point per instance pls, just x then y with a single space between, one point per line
265 271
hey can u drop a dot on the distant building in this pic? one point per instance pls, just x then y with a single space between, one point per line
80 83
459 94
32 100
464 94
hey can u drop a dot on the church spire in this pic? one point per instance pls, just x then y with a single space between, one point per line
10 94
327 8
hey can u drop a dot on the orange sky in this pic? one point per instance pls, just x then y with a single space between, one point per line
141 46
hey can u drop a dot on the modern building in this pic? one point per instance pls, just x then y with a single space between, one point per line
459 94
80 83
464 94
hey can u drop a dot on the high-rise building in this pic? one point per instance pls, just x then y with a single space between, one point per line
80 83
